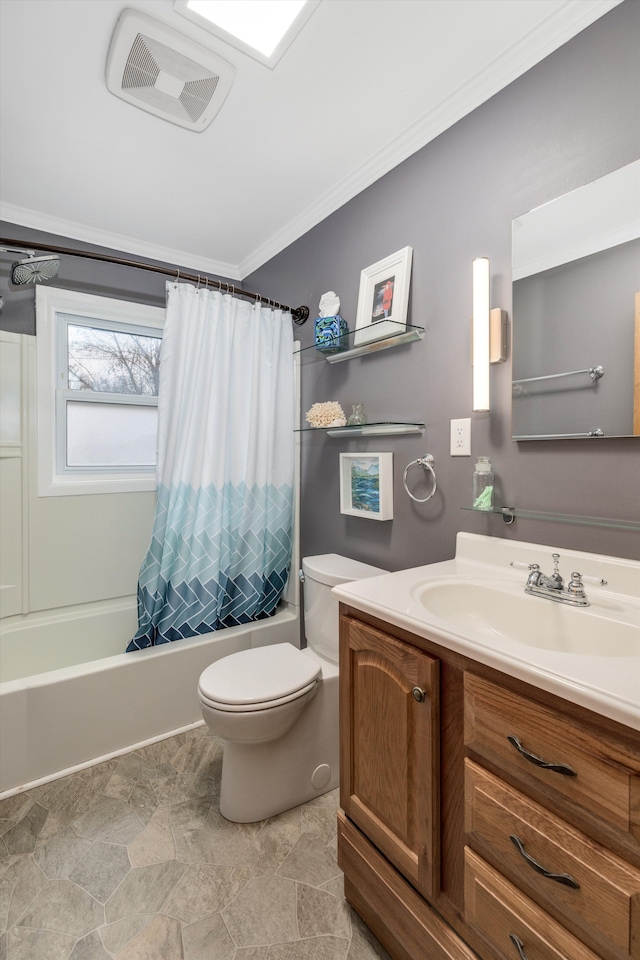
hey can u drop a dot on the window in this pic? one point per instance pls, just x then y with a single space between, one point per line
97 378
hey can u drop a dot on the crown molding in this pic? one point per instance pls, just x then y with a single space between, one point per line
550 34
37 220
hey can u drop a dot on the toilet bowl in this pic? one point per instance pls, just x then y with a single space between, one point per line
276 707
256 695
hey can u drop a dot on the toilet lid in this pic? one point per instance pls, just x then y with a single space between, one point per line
259 677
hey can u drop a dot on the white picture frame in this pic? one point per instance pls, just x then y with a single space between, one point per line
366 485
383 297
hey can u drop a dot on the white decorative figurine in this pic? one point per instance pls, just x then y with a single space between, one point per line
329 304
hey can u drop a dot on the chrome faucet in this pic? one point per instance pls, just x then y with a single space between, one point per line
553 588
538 579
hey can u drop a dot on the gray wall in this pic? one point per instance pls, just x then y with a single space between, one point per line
571 119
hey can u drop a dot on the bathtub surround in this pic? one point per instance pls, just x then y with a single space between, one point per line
221 543
131 859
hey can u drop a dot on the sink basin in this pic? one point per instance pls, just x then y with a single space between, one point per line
605 629
475 606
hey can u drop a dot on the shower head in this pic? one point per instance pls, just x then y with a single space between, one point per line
34 269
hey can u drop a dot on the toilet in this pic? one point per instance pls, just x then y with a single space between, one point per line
276 707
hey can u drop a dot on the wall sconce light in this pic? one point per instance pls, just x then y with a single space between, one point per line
488 335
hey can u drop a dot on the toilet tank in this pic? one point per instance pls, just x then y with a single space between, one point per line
321 573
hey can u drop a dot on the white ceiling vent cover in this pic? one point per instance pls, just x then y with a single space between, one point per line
159 70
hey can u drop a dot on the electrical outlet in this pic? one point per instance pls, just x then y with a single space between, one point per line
461 438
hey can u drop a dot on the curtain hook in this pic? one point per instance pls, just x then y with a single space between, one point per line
198 287
175 282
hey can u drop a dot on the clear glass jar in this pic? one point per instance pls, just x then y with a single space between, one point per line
483 482
357 417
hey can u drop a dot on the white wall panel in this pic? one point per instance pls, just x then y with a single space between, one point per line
11 536
77 549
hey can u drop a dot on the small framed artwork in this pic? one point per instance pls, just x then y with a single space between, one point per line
383 298
366 485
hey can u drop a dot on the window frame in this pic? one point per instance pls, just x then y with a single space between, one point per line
56 309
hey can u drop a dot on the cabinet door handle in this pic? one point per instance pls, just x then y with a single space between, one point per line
519 945
563 878
563 768
419 694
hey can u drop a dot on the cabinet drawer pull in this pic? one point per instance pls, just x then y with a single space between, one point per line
563 878
419 694
563 768
519 945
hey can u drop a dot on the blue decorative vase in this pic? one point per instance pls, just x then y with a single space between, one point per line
331 334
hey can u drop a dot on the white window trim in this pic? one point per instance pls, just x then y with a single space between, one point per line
51 301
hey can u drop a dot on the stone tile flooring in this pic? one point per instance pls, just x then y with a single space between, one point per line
131 860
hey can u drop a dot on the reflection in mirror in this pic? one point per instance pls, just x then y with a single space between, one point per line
576 313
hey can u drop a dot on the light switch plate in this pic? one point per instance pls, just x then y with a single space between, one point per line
461 438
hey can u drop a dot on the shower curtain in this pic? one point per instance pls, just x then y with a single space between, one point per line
221 544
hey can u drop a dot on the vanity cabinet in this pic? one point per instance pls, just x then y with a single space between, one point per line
499 822
390 750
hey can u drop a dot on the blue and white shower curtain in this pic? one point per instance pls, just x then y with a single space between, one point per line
221 545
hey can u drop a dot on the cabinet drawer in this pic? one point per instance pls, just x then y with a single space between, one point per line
593 892
499 911
591 772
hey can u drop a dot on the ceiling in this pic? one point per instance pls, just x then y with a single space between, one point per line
365 84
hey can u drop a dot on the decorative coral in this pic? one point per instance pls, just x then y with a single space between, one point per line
326 414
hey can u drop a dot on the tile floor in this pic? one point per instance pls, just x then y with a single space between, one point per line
131 860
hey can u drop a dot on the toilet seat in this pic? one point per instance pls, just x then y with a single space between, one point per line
258 679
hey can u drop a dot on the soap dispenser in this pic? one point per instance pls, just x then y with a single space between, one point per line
483 481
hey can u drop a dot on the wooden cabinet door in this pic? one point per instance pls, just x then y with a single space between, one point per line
389 759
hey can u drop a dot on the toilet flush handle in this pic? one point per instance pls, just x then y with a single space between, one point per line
301 575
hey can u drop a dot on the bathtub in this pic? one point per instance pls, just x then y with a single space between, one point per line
90 701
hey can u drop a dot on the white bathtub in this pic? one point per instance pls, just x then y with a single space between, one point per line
94 701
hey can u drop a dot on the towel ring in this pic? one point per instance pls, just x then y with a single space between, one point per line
427 463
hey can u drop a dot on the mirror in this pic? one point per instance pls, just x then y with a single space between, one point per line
576 313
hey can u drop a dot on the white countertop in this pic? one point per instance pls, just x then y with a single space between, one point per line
605 682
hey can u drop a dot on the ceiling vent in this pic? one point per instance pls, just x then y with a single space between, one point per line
159 70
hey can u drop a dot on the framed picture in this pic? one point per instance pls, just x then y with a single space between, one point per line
366 485
384 297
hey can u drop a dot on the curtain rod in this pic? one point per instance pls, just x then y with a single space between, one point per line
299 314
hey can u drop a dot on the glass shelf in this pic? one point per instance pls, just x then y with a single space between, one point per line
509 514
406 332
384 429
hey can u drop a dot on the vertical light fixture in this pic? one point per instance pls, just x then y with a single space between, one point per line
480 334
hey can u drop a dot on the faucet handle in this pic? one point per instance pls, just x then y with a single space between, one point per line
599 582
524 566
575 586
